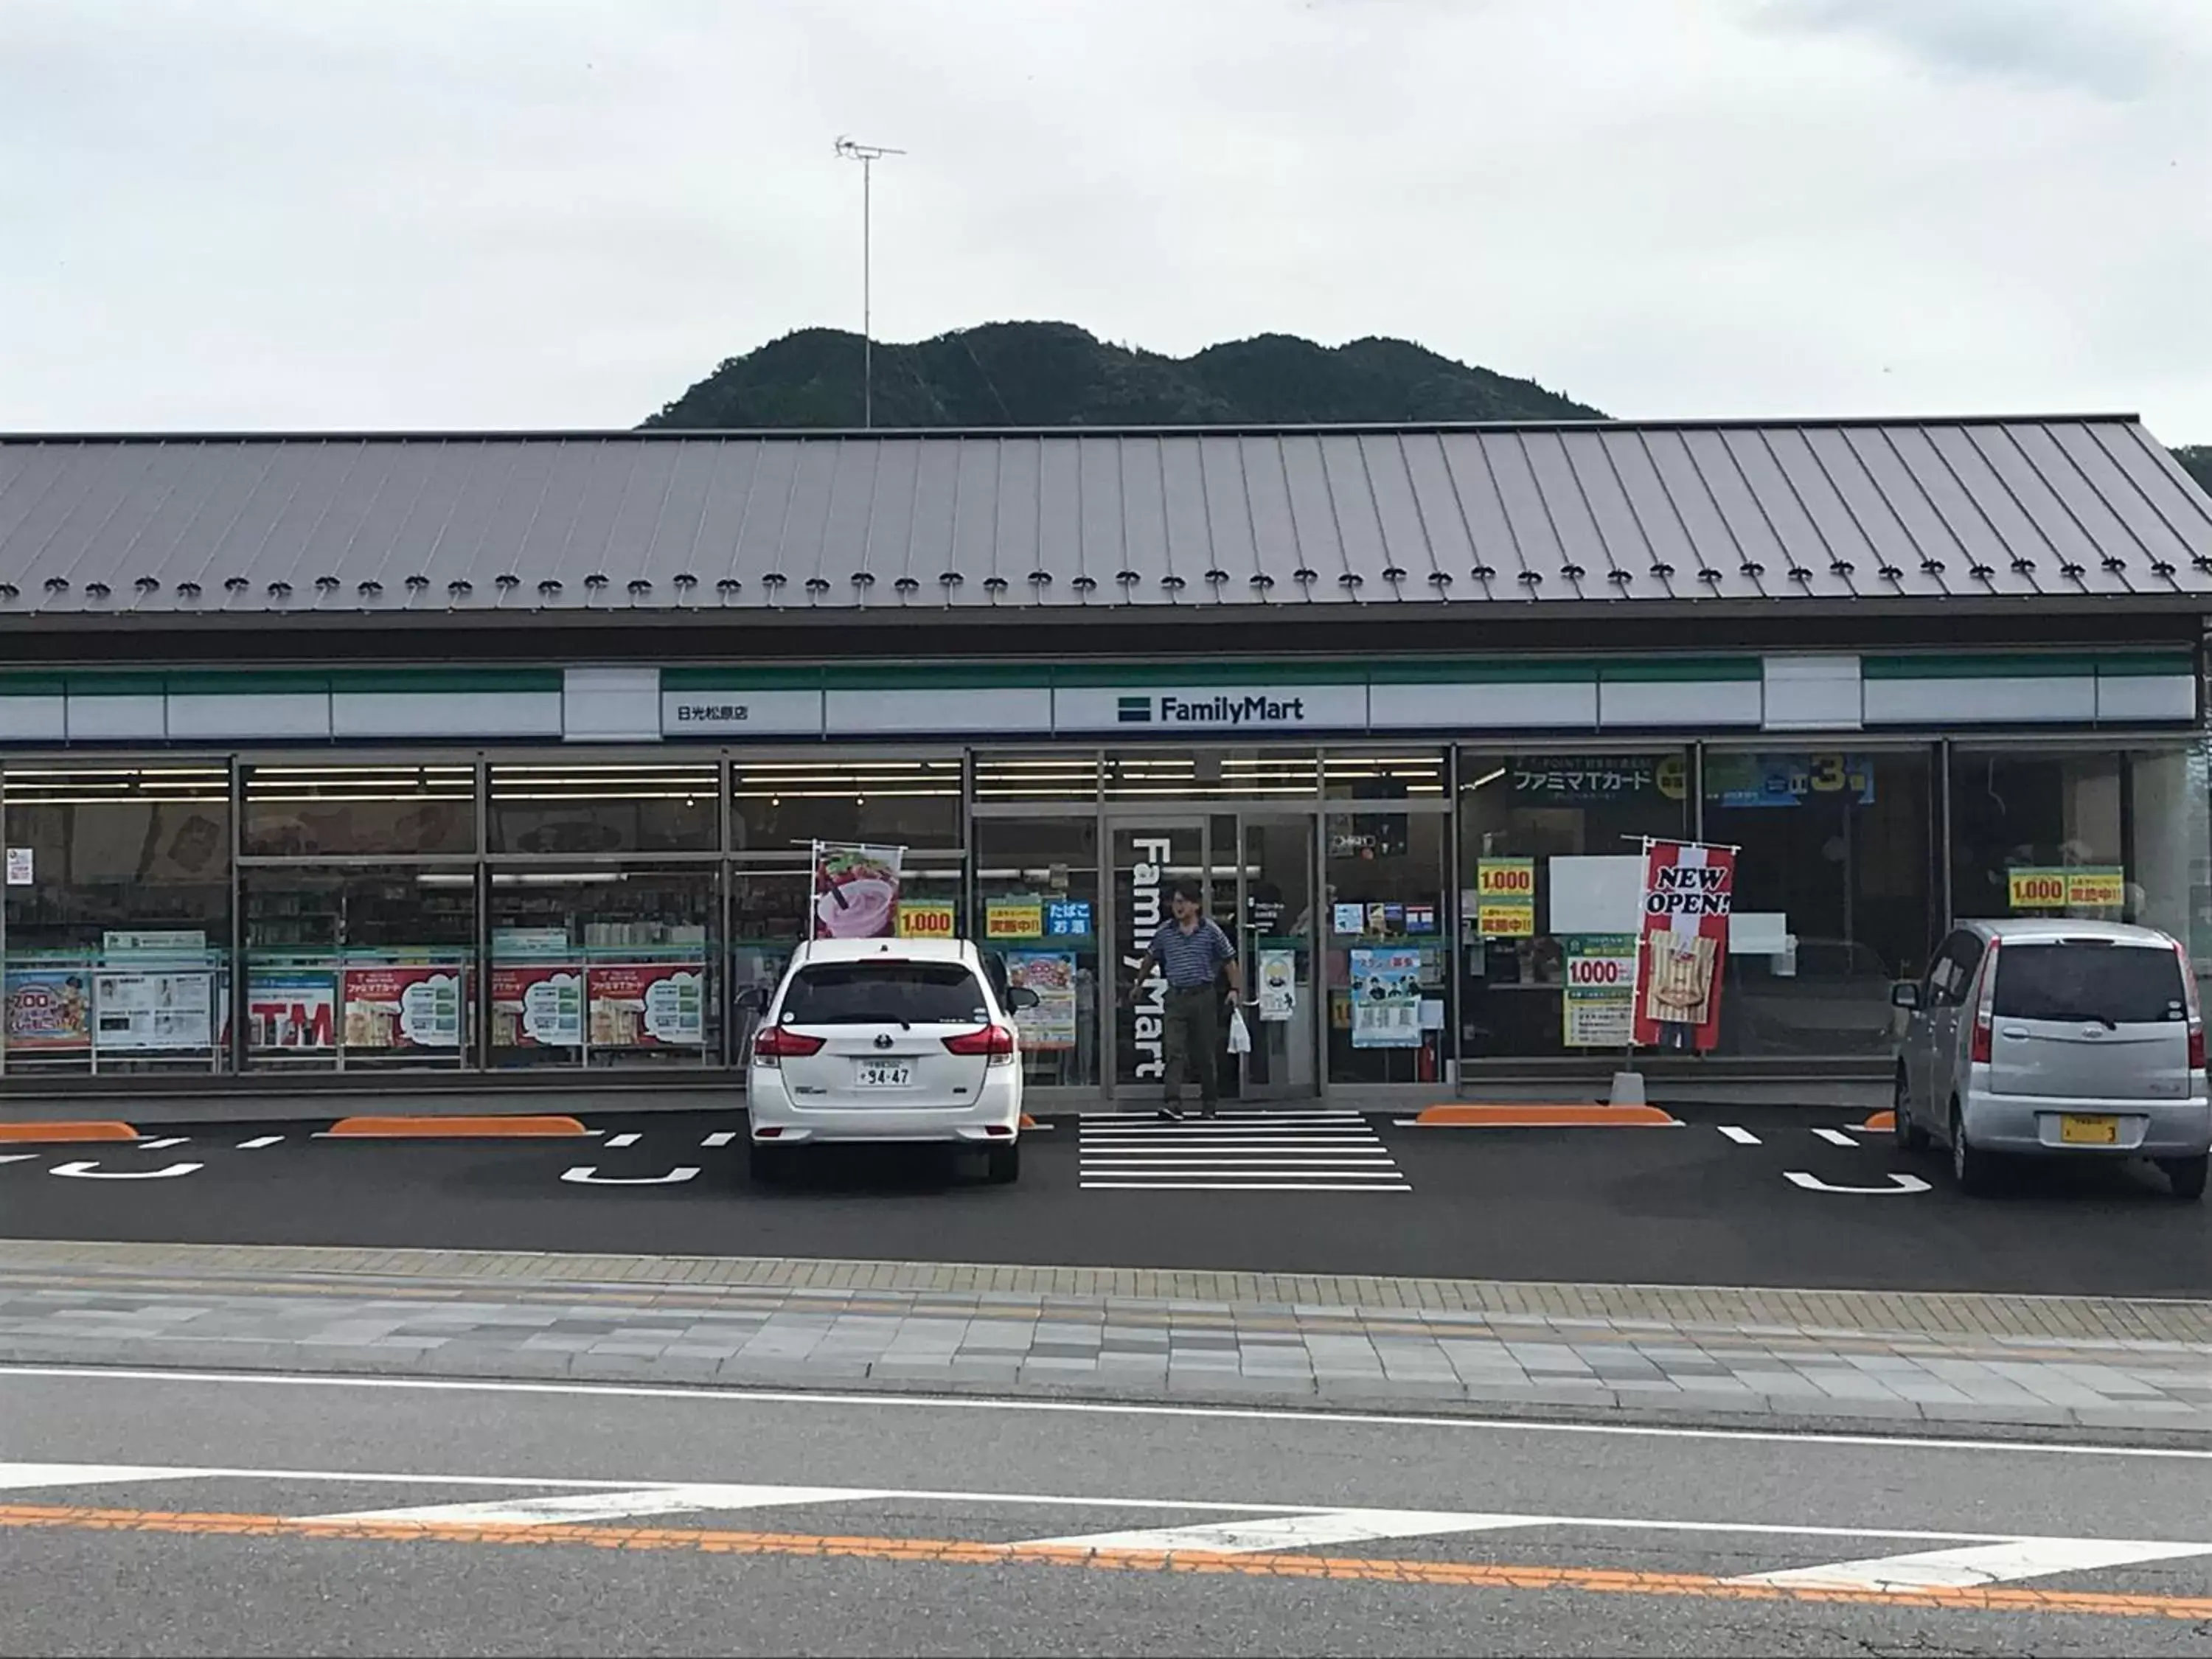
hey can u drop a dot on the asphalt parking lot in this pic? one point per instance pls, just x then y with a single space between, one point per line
1733 1196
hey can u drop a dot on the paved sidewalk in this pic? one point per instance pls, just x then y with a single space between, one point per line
1738 1354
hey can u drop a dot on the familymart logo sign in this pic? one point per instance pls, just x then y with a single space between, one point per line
1231 709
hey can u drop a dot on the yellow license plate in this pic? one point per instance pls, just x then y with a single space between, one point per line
2089 1131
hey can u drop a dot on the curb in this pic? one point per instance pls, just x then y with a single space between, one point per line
67 1130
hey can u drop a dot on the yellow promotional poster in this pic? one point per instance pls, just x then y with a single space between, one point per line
1505 898
2036 889
2096 887
926 919
2085 887
1013 918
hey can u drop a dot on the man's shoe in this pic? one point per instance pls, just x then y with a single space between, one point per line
1171 1112
1209 1112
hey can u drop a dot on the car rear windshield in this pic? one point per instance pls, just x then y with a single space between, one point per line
884 993
2118 984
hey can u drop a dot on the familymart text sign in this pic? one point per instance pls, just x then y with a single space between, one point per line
1133 709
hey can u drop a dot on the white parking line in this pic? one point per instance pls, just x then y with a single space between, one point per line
1980 1564
624 1140
259 1141
719 1138
1741 1137
595 1507
156 1145
1286 1532
1835 1137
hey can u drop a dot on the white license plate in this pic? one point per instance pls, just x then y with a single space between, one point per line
885 1074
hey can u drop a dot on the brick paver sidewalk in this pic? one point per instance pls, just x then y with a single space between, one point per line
2082 1362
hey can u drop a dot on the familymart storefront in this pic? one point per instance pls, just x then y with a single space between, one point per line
1420 908
427 759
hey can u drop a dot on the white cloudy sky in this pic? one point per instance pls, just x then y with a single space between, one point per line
464 213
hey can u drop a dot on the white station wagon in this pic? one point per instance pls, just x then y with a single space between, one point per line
887 1040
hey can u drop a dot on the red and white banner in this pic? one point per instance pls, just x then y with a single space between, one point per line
1689 890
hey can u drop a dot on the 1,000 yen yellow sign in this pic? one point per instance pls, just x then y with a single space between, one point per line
2089 887
1505 898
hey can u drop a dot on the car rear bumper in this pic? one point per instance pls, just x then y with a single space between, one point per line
996 1117
2034 1123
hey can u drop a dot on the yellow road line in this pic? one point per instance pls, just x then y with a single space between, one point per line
944 1551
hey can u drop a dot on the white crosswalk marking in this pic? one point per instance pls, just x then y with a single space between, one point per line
1835 1137
1741 1137
572 1507
1288 1532
1980 1564
1240 1150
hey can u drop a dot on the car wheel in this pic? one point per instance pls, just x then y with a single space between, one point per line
1004 1166
765 1163
1910 1137
2187 1176
1969 1168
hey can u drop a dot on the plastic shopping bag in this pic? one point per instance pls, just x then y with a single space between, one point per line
1240 1034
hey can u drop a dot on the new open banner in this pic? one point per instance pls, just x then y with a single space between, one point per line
1689 890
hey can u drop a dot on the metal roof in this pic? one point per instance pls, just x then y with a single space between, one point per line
164 528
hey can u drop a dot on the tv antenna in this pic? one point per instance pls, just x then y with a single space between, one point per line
867 155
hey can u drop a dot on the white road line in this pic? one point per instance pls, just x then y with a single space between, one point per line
1289 1532
719 1138
1209 1138
89 1169
624 1140
20 1477
1898 1183
1980 1564
157 1145
1182 1161
259 1141
814 1399
1835 1137
588 1174
1741 1137
1227 1169
1240 1187
17 1158
596 1506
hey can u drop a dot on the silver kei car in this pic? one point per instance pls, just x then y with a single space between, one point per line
2053 1037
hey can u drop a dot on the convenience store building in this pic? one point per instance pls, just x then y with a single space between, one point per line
430 755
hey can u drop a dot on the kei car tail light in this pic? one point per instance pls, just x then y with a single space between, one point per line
2193 1002
1984 1004
773 1044
996 1043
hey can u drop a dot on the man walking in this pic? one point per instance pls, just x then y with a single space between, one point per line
1196 956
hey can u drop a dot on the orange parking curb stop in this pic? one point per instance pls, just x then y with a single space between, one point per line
1520 1117
1880 1120
427 1129
90 1129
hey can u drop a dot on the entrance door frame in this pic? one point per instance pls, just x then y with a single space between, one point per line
1182 817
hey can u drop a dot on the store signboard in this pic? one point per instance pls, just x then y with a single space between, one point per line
295 1012
1596 780
1505 898
1149 710
146 1012
1013 918
927 919
652 1005
2078 887
1051 974
399 1008
1386 997
537 1007
1689 890
741 714
155 942
531 942
1598 1006
48 1010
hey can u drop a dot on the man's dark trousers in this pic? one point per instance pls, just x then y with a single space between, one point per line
1192 1036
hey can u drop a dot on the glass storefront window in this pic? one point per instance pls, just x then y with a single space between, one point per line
296 812
1837 895
357 966
1174 777
1388 958
1531 908
2118 836
1359 775
1069 776
577 809
1036 891
782 806
116 944
604 965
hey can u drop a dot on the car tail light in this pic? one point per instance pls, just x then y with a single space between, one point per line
994 1041
1984 1003
2193 1002
773 1044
